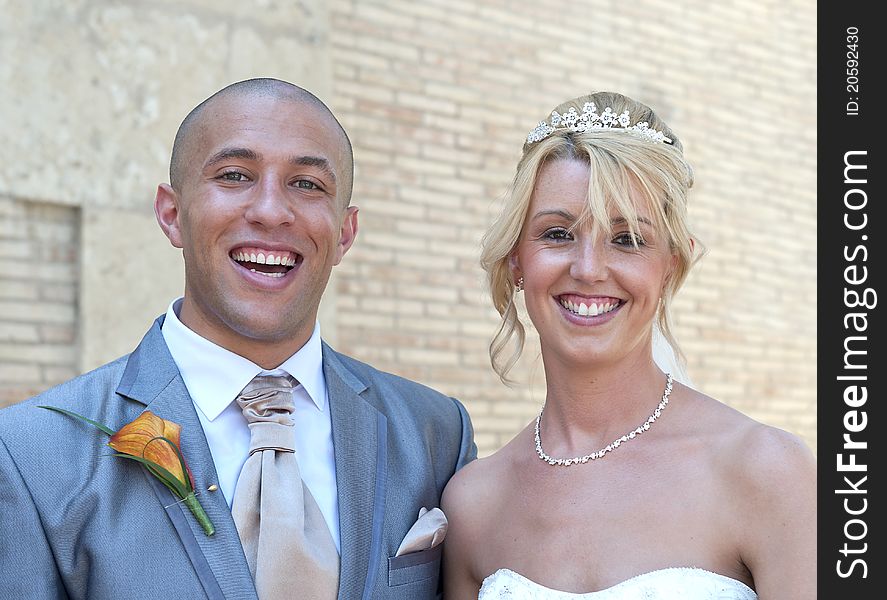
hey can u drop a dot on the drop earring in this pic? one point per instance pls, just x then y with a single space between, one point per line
520 284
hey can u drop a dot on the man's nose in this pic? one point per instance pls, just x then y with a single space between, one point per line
270 204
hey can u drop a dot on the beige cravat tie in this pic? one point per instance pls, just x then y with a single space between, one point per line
287 543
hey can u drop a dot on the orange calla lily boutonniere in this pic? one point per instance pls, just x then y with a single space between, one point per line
154 442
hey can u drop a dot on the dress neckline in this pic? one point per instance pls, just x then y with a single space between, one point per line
633 580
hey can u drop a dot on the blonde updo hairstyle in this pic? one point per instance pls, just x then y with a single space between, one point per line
618 161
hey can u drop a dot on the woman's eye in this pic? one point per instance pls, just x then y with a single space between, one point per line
558 234
628 239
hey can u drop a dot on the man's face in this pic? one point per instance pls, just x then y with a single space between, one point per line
261 221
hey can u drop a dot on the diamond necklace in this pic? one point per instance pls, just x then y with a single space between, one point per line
566 462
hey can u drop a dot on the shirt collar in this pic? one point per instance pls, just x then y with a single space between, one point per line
214 375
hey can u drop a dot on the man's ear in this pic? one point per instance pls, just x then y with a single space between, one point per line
166 209
347 233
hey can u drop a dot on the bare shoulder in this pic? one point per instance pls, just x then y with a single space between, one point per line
476 490
775 452
473 486
462 487
764 457
766 480
469 499
757 462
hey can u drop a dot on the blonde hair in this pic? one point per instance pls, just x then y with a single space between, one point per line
618 161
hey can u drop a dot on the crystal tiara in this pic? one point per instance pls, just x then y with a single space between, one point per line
590 120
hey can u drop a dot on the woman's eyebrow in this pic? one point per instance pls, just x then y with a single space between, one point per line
556 213
623 221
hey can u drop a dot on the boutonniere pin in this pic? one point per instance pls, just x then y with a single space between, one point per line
154 442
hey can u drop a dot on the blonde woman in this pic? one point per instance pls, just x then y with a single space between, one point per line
628 484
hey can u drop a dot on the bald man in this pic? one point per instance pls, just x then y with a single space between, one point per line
259 202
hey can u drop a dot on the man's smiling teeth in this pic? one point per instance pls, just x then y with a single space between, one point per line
268 274
592 309
265 259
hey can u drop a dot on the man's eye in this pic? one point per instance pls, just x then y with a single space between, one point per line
307 185
232 176
558 233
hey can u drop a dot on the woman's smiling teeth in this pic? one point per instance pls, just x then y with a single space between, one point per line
271 263
589 309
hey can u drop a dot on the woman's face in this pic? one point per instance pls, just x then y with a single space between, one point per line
592 296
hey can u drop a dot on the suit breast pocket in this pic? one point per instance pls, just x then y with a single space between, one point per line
419 569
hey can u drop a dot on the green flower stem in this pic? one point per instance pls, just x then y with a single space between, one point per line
199 514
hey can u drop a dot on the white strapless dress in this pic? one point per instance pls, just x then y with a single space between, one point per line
685 583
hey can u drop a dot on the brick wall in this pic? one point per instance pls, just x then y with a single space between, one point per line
437 97
38 292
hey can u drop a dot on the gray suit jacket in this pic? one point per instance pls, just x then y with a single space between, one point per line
78 523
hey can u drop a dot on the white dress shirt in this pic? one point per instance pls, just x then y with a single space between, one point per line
215 376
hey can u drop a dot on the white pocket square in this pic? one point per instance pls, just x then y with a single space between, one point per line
427 532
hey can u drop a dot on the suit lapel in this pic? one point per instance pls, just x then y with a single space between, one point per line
152 378
359 440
